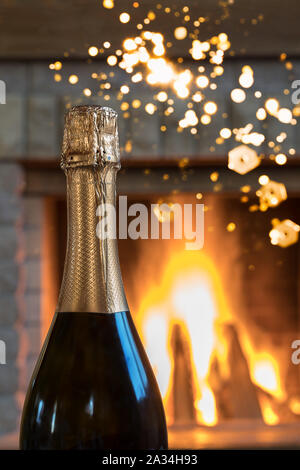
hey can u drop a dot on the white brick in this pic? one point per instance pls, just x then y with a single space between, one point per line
11 338
42 134
8 379
32 274
9 412
33 211
9 276
32 308
8 242
10 209
11 177
32 242
12 121
8 309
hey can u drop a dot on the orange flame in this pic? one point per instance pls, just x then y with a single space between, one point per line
190 294
265 373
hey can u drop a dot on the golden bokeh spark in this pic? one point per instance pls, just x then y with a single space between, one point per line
124 89
281 159
124 17
202 81
162 96
93 51
136 104
238 95
112 60
109 4
261 114
87 92
180 33
73 79
272 106
263 179
231 227
205 119
285 115
150 108
225 133
210 107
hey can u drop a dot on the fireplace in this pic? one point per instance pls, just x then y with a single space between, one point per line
217 323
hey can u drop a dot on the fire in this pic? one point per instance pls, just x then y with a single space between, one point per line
270 417
207 407
182 321
191 297
266 375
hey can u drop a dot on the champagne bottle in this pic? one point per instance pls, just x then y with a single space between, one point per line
92 387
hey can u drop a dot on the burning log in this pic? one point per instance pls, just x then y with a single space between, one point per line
235 395
182 390
275 411
221 391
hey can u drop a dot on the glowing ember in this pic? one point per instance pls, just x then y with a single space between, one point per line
272 106
73 79
57 65
136 104
112 60
246 79
138 77
108 4
190 281
205 119
180 33
162 96
263 179
271 194
284 233
285 115
144 56
93 51
280 159
87 92
225 133
231 227
238 95
163 211
124 89
210 107
266 375
242 159
124 17
270 417
202 81
150 108
261 114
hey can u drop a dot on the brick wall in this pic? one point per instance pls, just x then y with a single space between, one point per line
31 121
10 292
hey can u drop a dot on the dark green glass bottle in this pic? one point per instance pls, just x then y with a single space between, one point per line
93 386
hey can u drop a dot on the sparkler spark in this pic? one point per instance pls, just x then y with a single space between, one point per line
144 56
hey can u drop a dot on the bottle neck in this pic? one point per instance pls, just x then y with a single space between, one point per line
92 279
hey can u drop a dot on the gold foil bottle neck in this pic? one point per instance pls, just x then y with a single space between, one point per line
92 280
90 137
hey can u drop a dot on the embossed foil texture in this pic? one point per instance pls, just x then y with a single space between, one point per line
92 280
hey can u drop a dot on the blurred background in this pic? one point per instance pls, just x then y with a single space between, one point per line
205 93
